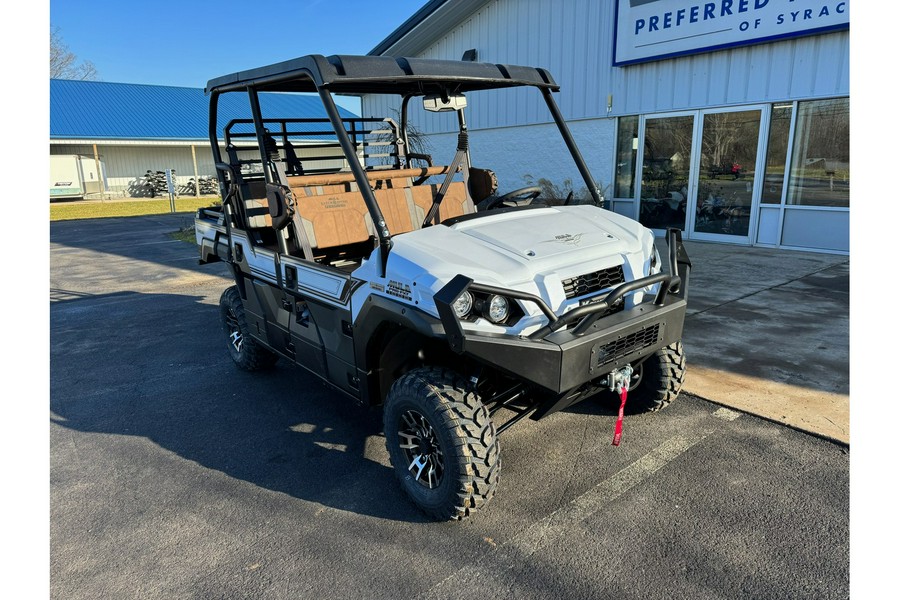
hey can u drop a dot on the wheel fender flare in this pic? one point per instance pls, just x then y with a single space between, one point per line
377 322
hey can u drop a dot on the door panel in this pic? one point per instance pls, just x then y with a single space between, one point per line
307 343
665 171
729 147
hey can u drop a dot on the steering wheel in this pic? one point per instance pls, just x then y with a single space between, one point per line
520 197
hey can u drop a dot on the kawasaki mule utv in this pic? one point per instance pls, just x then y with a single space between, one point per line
411 283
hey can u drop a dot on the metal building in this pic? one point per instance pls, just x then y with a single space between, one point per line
128 129
726 118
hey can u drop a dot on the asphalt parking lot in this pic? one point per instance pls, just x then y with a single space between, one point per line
174 475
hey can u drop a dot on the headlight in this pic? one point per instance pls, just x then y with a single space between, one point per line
463 305
497 309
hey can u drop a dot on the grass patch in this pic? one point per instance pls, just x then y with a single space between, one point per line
126 208
185 234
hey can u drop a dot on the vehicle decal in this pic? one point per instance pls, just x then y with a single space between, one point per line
398 289
565 238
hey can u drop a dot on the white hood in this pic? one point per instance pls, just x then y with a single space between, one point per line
518 247
539 234
529 250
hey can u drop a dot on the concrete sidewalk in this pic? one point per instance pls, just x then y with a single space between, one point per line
767 332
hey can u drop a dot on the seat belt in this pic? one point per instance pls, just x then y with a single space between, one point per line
462 147
290 157
299 229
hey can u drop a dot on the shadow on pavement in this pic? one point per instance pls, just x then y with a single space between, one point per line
155 366
777 316
143 238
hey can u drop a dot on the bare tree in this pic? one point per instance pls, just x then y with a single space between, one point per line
63 63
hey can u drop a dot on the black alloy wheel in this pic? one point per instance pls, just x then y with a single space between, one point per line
422 449
442 443
246 352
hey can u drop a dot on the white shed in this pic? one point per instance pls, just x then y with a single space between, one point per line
129 129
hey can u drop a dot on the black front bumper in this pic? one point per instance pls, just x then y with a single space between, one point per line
581 345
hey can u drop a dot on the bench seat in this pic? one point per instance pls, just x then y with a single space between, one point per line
335 214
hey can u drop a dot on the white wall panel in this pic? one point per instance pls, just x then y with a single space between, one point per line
758 72
807 228
571 38
767 229
126 165
574 40
808 67
522 155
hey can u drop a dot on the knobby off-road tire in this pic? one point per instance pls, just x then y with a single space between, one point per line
442 443
661 377
246 352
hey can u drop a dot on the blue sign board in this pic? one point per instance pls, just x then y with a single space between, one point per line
648 30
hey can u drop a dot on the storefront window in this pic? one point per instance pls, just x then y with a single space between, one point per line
666 171
820 169
626 153
776 155
727 172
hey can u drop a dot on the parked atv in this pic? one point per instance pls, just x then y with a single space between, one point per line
384 280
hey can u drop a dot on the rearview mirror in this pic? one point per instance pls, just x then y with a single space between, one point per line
436 103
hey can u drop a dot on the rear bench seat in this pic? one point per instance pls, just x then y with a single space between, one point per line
334 213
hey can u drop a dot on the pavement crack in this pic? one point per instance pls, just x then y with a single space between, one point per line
835 424
75 447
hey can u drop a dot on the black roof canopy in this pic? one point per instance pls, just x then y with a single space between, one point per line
381 75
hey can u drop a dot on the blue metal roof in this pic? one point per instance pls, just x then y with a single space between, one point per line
128 111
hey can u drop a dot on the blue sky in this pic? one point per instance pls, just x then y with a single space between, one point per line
186 43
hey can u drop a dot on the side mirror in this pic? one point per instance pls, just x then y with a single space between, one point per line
437 103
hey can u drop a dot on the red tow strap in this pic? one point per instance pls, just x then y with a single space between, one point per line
617 437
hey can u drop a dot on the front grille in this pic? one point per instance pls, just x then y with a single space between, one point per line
592 282
624 346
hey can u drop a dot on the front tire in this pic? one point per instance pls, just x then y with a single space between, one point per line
442 443
246 352
658 380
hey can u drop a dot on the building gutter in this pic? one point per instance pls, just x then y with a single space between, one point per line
125 142
133 142
407 26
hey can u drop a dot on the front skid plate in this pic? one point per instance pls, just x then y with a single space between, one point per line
562 362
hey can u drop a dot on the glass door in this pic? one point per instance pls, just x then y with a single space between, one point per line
665 171
722 208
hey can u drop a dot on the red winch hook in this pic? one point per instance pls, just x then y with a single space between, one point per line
619 381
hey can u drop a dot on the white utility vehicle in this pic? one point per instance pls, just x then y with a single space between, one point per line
414 285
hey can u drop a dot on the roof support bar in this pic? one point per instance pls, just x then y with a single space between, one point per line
268 169
260 133
213 134
573 149
381 228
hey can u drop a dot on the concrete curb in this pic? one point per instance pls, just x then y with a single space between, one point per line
821 413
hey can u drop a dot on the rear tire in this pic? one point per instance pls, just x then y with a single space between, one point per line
246 352
658 380
442 443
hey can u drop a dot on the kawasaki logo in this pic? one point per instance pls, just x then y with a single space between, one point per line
566 238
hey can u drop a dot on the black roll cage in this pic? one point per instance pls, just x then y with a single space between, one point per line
357 75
